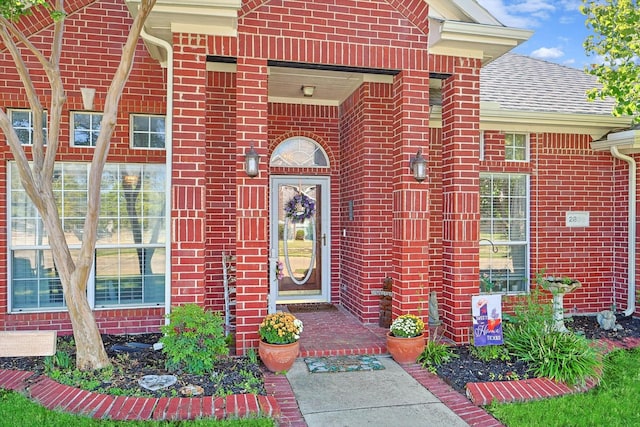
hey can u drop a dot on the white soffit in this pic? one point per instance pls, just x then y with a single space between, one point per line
461 10
209 17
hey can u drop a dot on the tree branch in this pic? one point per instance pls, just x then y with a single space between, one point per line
85 258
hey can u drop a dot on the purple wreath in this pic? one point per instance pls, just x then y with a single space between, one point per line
299 208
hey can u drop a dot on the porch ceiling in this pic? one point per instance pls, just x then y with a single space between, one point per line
331 87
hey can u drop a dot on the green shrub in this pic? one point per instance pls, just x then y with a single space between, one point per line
300 235
561 356
435 354
193 340
529 336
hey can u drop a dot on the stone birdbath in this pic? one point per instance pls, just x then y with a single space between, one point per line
559 287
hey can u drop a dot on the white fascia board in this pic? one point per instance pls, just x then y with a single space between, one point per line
454 38
627 142
533 122
211 17
549 122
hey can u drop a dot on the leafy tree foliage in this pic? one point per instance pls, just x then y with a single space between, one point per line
616 45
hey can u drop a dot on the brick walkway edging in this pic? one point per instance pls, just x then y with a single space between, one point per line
53 395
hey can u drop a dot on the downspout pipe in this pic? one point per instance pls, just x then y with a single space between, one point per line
631 239
168 161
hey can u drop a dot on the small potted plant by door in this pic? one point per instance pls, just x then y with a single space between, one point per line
279 346
405 339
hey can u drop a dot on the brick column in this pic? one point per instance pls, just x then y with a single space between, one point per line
252 209
460 189
188 176
410 198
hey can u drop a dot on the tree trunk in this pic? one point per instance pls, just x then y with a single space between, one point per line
90 351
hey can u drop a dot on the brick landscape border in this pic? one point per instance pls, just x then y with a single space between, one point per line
537 388
53 395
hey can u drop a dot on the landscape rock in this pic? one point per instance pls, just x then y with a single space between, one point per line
157 382
607 321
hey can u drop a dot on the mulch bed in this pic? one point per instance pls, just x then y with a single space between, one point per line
459 372
129 367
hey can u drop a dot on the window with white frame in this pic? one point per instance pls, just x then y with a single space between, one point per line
129 267
516 147
85 128
299 152
504 232
147 131
22 123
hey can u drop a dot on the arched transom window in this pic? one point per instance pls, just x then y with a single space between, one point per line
299 152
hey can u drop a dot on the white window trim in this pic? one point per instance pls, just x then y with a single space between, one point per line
72 129
302 138
27 110
132 131
91 283
527 149
527 242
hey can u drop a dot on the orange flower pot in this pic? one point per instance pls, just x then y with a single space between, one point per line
278 357
405 350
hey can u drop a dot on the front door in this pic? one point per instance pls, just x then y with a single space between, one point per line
300 224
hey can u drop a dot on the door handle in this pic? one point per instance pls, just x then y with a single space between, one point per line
324 239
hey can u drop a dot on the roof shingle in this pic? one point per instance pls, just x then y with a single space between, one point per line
522 83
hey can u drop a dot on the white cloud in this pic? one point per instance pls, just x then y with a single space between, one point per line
531 6
571 5
548 53
508 16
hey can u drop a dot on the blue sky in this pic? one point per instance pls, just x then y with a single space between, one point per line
559 28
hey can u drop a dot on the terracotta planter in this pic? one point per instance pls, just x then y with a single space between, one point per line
405 350
278 357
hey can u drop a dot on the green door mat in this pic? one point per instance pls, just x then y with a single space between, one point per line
318 365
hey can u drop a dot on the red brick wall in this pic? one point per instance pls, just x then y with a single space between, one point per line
571 177
566 175
220 152
460 185
371 34
88 60
367 149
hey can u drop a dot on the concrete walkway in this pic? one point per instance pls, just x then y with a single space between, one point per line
367 398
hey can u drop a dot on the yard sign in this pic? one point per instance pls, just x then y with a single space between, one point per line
487 319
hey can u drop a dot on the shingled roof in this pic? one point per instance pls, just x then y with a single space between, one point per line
522 83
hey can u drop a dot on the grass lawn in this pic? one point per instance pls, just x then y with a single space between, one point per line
613 403
17 410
